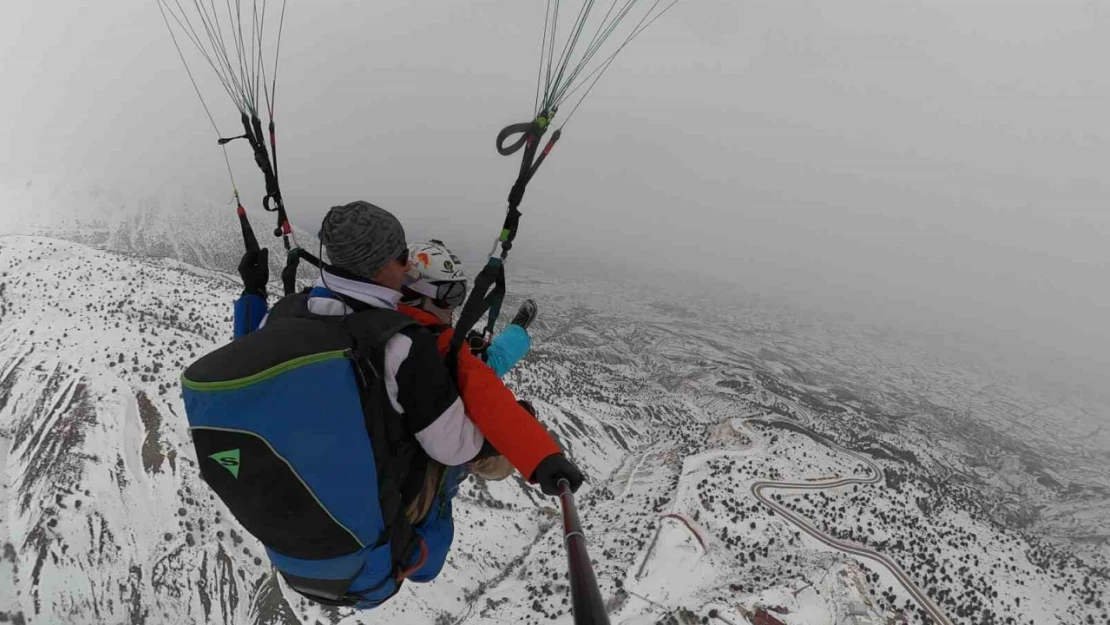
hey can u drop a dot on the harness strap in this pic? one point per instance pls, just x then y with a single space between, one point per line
272 201
488 292
292 263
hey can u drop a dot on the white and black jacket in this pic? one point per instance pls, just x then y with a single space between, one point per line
418 384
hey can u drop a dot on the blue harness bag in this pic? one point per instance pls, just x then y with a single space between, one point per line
294 431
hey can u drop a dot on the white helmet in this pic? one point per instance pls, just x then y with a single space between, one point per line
433 262
436 273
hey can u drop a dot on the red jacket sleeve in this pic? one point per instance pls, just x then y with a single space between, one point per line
492 407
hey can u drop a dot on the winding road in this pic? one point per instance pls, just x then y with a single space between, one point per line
758 487
802 523
875 477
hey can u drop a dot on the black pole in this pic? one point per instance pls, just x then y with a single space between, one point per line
585 596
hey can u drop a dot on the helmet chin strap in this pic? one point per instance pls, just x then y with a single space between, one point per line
444 314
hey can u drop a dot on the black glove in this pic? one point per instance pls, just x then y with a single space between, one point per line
554 468
255 271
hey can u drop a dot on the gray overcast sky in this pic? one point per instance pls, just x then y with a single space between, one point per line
936 161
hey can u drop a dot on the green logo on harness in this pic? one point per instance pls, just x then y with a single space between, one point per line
229 459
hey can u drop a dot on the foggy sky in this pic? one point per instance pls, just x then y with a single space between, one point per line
937 163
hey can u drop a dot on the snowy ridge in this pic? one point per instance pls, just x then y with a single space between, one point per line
87 503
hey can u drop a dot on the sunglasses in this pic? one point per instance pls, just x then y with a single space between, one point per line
403 257
446 294
451 293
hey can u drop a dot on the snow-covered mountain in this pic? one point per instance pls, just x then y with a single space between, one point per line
745 464
200 232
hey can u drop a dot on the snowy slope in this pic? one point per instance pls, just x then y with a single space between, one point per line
675 412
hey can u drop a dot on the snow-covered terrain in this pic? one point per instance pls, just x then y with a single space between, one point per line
745 464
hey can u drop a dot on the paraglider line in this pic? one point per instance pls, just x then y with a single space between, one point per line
277 54
551 51
572 41
543 46
189 30
601 69
227 161
592 49
596 41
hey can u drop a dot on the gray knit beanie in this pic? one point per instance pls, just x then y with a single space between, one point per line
362 238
